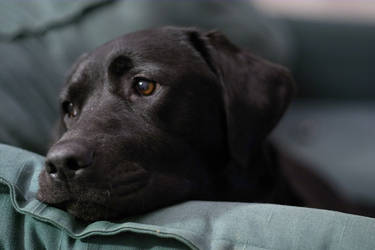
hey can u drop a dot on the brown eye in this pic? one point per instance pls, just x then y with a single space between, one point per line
145 87
69 109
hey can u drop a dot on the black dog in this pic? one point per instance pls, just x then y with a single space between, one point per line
171 114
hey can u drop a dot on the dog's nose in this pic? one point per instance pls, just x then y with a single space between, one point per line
66 160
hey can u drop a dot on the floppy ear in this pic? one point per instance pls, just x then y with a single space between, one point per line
255 92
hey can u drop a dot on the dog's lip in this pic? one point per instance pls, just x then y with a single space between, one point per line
131 184
52 201
107 195
121 191
128 188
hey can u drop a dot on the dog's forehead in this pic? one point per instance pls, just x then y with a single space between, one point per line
161 45
167 50
158 45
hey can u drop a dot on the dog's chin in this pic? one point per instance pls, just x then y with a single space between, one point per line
83 210
89 211
87 203
90 204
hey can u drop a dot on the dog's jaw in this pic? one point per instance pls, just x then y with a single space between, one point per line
126 199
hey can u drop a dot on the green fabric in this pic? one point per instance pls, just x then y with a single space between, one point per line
28 224
337 139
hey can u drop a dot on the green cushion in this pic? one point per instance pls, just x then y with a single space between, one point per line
337 139
28 224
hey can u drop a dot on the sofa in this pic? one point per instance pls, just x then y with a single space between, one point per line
329 126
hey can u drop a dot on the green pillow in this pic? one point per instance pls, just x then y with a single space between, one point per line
27 223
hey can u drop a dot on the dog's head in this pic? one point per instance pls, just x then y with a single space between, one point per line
153 117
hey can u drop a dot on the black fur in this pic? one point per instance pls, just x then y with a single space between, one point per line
200 135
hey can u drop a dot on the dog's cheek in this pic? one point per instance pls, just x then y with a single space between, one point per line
171 188
163 190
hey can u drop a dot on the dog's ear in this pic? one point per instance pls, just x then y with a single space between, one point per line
255 92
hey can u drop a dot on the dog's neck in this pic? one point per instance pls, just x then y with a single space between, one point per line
261 181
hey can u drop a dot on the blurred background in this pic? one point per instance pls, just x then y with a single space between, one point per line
328 45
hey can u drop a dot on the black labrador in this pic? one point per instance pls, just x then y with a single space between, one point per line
171 114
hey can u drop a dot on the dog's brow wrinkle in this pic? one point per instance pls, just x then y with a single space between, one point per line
77 77
78 85
80 73
75 89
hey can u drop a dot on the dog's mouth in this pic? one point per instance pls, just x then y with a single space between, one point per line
90 202
87 211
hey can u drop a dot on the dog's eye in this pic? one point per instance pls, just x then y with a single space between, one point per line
145 87
69 109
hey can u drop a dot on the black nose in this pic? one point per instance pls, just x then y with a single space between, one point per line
64 161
